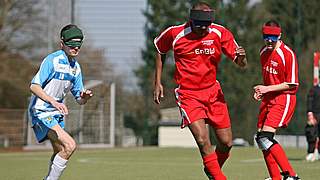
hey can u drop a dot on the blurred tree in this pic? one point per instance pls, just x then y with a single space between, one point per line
94 64
134 114
17 36
15 75
21 26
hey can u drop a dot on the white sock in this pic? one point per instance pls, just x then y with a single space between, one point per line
57 167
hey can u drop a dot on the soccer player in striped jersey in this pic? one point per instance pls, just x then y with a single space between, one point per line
58 74
278 99
197 46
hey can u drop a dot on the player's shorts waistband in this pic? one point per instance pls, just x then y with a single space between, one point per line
182 87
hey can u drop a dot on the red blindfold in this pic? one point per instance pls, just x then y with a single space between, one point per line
271 30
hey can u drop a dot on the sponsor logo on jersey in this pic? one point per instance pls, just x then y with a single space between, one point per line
271 70
62 68
274 63
49 118
74 70
207 51
207 42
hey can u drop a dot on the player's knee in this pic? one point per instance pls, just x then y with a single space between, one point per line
70 147
204 144
203 140
227 145
265 140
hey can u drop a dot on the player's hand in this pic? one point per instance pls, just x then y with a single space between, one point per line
87 94
240 51
157 93
260 89
257 96
241 56
62 108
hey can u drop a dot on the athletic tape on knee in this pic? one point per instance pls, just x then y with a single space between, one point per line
265 140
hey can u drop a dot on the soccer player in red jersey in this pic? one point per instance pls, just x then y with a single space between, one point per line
197 46
278 95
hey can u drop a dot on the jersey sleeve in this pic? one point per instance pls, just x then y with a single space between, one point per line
44 73
291 68
228 44
77 87
163 42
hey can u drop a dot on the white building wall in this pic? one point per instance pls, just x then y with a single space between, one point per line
174 136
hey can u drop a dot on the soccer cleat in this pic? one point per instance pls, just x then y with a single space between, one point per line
208 174
292 178
309 156
287 177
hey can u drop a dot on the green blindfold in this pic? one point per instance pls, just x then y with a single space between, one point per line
73 43
72 33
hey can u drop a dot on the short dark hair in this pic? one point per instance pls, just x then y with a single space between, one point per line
69 26
272 23
201 6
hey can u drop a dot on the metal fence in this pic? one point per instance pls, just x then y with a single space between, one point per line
91 125
12 127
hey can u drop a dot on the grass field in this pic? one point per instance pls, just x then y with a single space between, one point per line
147 164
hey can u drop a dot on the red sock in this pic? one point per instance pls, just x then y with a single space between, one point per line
280 156
272 166
222 157
211 163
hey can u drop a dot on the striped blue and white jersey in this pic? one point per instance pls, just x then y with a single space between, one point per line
57 76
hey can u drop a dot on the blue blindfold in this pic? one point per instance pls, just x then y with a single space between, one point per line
268 37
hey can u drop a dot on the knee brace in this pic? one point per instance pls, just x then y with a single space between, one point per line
265 140
311 133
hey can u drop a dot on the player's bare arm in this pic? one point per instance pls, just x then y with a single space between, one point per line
38 91
241 59
271 88
158 88
85 96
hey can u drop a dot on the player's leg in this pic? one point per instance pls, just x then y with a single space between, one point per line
318 131
271 163
224 145
201 136
65 145
267 143
311 136
56 148
218 118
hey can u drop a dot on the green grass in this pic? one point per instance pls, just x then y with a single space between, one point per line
147 164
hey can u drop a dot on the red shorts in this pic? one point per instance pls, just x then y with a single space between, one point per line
208 104
277 111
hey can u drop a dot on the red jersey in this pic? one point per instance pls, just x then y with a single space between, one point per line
278 66
196 58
